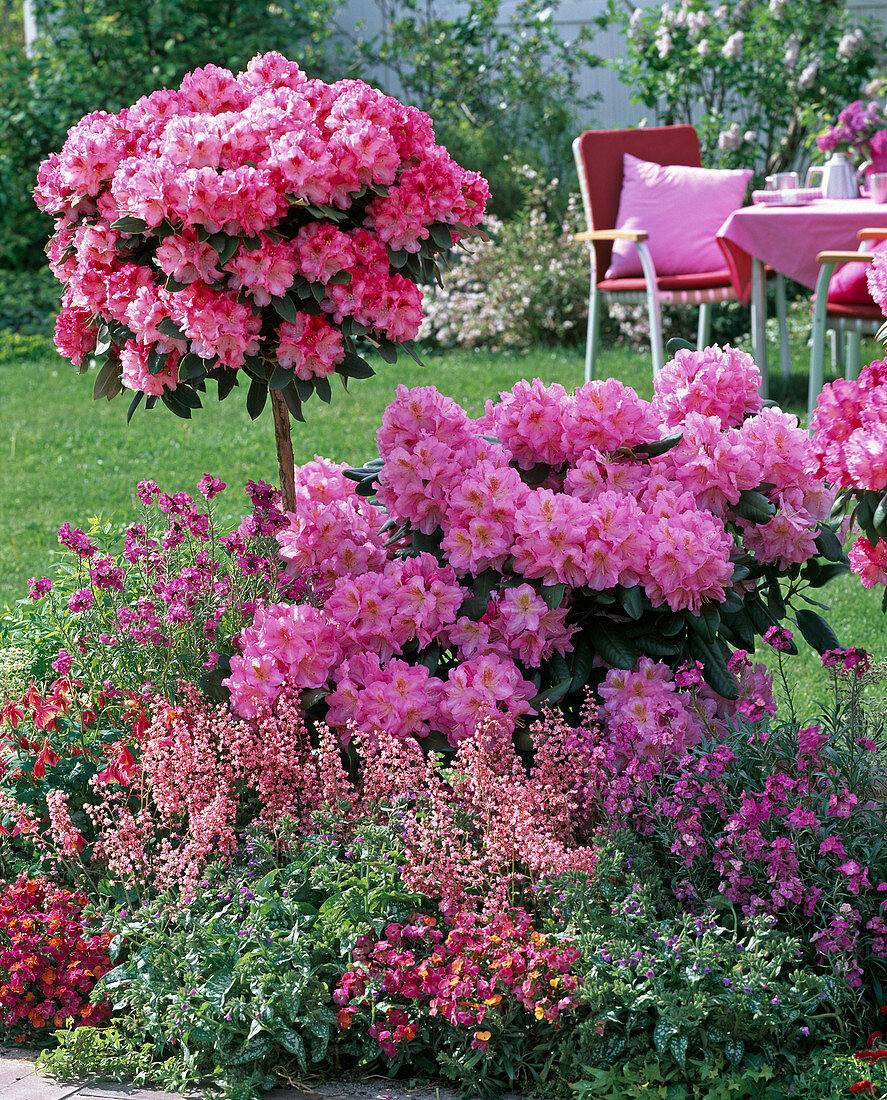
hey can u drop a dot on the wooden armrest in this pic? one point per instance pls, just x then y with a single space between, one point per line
844 257
612 235
878 233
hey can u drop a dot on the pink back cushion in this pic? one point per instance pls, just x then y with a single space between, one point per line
682 209
848 285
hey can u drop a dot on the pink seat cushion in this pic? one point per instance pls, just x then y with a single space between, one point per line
681 208
848 285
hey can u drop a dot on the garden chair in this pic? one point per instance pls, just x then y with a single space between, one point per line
843 307
674 222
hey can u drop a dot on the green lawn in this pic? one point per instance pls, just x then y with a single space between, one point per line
66 458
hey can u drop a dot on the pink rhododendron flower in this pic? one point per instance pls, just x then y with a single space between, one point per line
224 186
720 382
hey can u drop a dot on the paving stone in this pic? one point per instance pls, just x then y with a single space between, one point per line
113 1090
11 1071
33 1087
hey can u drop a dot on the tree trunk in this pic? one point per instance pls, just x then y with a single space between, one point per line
285 461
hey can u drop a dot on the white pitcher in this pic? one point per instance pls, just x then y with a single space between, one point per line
838 178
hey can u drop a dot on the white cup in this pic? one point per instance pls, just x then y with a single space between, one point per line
782 181
877 182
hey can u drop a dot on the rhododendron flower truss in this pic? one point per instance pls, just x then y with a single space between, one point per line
264 223
479 568
850 422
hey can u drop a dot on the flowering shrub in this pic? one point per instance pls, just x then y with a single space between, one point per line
527 285
586 533
49 961
753 77
459 987
256 223
148 805
165 607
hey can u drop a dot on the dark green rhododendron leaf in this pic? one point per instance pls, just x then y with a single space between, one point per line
631 600
387 350
227 380
289 395
174 405
760 616
707 622
742 626
191 367
322 387
552 695
127 224
256 398
136 401
828 544
280 377
187 396
286 307
107 383
658 446
816 631
714 670
354 366
613 646
754 506
581 662
553 594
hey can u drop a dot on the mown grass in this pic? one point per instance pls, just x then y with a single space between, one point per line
64 457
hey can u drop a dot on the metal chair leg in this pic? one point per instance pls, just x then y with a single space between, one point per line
703 332
781 315
591 340
759 323
817 353
852 352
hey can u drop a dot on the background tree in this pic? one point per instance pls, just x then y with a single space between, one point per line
497 86
758 78
104 54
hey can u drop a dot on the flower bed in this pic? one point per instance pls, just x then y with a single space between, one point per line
454 764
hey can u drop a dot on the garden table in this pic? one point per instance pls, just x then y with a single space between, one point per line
788 239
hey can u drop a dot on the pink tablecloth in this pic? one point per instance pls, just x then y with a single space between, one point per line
788 238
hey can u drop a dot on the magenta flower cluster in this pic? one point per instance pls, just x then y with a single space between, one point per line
179 590
769 820
474 973
857 128
540 492
181 218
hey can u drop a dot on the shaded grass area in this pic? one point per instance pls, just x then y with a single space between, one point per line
65 458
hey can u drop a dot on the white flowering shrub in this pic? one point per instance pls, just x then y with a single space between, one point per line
527 285
756 77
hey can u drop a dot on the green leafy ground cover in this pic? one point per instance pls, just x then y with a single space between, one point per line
64 458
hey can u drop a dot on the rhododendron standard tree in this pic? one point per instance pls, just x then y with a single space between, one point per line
263 224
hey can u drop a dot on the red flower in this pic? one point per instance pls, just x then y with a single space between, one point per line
862 1086
871 1056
